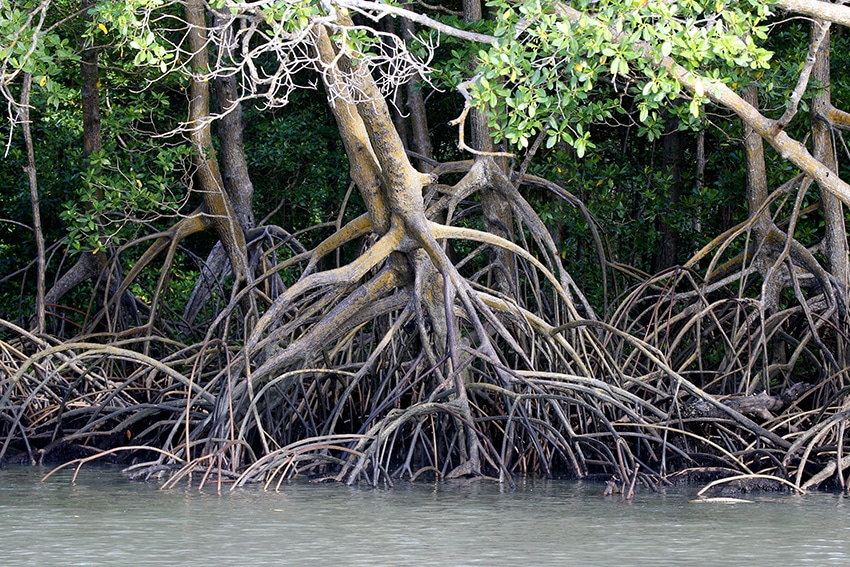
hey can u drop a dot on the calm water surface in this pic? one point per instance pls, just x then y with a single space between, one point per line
106 520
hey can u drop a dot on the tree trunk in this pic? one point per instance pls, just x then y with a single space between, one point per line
498 218
234 166
217 205
88 266
835 239
420 138
38 235
757 196
757 189
672 156
392 191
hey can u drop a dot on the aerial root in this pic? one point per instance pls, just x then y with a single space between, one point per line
407 363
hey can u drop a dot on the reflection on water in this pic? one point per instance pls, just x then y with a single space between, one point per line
106 520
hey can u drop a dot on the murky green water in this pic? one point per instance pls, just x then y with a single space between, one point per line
106 520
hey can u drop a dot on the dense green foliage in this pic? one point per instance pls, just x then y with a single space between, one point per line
296 160
561 76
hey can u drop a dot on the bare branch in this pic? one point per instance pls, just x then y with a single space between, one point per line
377 10
460 122
835 13
803 81
838 118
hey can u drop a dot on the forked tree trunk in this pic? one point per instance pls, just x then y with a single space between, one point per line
235 178
392 191
216 210
216 203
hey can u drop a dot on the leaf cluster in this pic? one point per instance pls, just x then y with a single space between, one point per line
557 74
